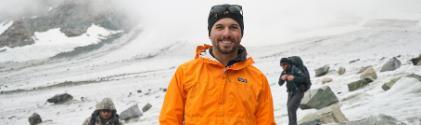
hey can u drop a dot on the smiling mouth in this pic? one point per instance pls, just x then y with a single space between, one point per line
226 42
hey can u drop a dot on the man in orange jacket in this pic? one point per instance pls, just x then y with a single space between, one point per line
220 86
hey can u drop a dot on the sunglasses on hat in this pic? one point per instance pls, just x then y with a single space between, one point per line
226 9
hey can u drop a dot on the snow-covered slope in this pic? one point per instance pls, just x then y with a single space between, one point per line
52 42
120 69
371 46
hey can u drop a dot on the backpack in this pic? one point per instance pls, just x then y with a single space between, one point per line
297 62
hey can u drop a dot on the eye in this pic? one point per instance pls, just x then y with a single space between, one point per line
219 27
234 27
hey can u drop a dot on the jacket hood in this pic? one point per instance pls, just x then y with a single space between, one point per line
106 103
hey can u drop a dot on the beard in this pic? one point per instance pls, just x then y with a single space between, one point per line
227 47
227 51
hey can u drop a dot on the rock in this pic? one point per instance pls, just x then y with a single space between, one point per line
163 89
353 61
146 107
130 113
417 60
310 119
313 122
374 120
318 98
359 84
322 70
418 77
75 31
389 84
60 98
341 70
34 119
391 65
139 91
363 69
11 117
382 58
369 73
326 80
83 99
331 114
18 34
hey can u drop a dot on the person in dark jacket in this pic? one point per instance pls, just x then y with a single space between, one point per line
295 79
104 114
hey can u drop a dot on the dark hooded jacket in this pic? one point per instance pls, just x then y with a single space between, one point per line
95 119
297 84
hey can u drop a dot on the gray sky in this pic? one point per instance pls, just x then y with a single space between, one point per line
266 21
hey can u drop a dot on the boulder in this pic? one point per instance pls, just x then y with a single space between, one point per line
318 98
146 107
34 119
359 84
417 60
389 84
326 80
391 65
60 98
331 114
341 70
322 70
130 113
363 69
369 73
310 119
380 119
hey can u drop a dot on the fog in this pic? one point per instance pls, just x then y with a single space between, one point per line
266 21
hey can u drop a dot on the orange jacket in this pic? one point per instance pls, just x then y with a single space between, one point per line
205 92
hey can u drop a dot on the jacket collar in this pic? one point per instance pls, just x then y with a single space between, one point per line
241 61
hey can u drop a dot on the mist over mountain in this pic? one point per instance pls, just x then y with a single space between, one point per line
368 50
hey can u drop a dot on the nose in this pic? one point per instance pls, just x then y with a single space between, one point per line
226 33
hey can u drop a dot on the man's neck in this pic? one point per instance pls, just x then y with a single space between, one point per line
223 58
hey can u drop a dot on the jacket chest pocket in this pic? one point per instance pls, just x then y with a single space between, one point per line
242 91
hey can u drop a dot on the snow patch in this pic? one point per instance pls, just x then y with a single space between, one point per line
4 26
52 42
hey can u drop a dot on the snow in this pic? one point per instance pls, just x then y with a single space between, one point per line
147 60
52 42
118 78
368 45
4 26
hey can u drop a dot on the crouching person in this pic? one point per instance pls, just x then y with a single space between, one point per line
104 114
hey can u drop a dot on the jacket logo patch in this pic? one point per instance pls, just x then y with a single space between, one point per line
242 80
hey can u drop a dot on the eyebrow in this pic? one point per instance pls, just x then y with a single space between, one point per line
229 25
